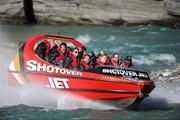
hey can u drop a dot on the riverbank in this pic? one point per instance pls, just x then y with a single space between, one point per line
94 12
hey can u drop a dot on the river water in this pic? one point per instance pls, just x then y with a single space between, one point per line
155 49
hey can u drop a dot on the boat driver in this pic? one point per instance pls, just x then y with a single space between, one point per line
58 55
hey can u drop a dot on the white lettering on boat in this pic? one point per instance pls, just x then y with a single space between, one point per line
60 83
124 73
33 65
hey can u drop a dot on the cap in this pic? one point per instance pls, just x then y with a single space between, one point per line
89 50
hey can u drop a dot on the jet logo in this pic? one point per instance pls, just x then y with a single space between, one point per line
60 83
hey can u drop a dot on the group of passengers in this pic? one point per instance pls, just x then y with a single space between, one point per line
78 58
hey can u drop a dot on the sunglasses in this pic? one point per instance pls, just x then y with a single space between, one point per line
76 51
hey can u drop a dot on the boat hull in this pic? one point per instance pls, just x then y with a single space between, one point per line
113 85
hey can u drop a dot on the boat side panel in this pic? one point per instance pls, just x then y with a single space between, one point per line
84 87
82 83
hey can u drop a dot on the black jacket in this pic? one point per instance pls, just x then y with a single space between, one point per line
41 50
52 58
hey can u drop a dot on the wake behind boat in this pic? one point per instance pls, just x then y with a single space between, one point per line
117 86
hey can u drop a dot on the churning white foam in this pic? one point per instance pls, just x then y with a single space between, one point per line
141 28
111 39
33 96
134 45
117 49
167 89
151 59
141 59
164 29
43 97
171 95
75 102
85 39
160 98
153 33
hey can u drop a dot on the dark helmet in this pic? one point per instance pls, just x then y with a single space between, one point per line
63 44
75 48
128 58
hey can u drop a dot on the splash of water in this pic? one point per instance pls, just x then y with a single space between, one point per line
84 39
153 58
41 97
161 98
30 95
167 90
111 38
66 102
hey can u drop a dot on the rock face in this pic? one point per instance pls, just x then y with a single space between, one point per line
96 12
11 11
173 7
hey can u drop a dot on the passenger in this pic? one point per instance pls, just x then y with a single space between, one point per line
127 63
115 60
81 52
69 49
42 50
101 61
120 60
101 53
71 60
90 52
85 63
53 46
84 54
58 55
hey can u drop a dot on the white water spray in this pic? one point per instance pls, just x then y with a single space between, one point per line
167 89
43 97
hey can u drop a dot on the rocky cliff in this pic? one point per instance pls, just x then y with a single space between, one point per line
172 7
11 11
96 12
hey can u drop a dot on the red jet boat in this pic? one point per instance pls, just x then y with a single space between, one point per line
120 87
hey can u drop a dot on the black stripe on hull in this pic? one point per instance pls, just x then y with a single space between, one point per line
59 37
21 58
100 90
